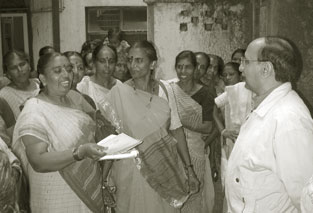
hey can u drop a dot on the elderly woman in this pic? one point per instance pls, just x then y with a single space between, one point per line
155 182
55 140
97 86
16 67
195 109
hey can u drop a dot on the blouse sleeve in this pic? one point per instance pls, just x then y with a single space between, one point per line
31 122
175 121
207 107
221 100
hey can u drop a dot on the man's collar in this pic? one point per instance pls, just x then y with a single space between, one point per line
272 99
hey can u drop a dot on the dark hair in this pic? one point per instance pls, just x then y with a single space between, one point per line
115 31
45 59
88 47
44 50
239 50
220 63
285 57
10 55
148 47
68 54
100 47
186 54
207 58
233 65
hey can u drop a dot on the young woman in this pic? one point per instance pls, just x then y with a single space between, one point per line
155 182
235 104
195 110
16 67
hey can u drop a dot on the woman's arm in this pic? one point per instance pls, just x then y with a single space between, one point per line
227 133
43 161
205 127
183 151
217 119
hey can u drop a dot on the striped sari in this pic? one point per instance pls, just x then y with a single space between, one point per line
190 112
16 98
153 182
77 187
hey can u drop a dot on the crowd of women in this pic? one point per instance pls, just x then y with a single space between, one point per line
50 125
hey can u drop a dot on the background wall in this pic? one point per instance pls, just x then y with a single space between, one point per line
292 19
228 28
72 22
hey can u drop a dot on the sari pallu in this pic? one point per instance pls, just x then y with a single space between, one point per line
190 114
146 117
81 181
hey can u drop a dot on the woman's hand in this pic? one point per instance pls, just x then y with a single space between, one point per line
231 134
92 151
193 182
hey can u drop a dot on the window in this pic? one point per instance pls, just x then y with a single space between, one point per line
13 33
131 20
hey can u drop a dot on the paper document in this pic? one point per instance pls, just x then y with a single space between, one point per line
120 146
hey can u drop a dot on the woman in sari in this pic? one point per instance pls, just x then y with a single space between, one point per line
76 60
10 174
235 104
17 69
155 181
213 75
97 86
55 140
195 110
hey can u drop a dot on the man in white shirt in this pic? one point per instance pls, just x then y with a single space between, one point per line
273 155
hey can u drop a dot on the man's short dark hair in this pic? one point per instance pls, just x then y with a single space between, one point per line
285 57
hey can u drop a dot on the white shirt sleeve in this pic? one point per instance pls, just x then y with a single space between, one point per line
221 100
175 121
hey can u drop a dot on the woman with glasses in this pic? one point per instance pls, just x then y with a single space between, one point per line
55 140
16 67
97 86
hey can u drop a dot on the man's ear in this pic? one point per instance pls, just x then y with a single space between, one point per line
267 69
42 78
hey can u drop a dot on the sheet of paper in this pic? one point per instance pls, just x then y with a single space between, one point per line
118 144
132 154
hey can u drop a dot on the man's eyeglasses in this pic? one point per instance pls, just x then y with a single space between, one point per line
243 61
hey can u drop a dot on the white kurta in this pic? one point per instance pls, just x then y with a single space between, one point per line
272 157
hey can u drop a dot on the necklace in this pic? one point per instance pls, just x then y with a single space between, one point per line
151 82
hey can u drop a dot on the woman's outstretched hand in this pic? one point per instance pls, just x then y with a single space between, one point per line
231 134
92 151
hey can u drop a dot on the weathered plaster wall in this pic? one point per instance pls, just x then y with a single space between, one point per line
72 22
170 40
294 21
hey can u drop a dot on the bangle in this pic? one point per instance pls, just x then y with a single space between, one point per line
75 153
